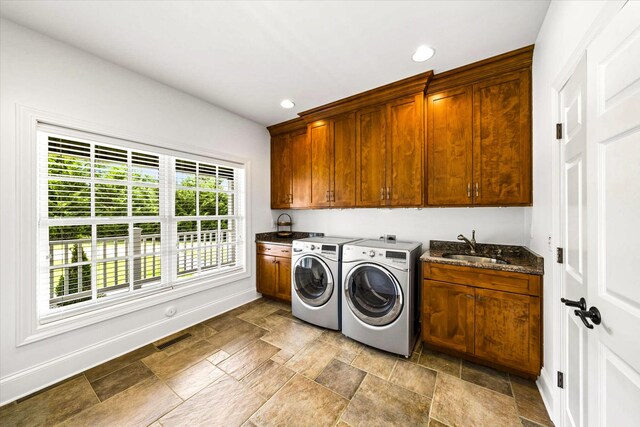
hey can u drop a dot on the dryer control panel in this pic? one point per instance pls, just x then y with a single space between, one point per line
396 259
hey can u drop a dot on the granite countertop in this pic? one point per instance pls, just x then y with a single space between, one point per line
519 258
272 237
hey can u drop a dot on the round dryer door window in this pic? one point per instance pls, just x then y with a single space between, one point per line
373 294
312 281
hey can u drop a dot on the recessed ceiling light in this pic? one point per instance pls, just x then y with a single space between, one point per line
423 53
287 103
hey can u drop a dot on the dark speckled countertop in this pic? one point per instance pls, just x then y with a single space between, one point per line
272 237
519 258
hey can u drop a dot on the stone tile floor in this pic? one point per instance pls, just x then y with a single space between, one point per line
259 366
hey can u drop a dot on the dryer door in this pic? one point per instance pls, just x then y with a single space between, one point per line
312 280
373 294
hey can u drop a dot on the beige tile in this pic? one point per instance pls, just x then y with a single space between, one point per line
190 381
312 359
380 403
528 423
375 362
268 378
258 312
120 380
282 356
272 321
197 333
119 362
301 402
342 424
415 357
486 377
341 378
417 347
223 322
226 402
170 365
440 362
237 337
529 401
139 405
248 423
460 403
52 406
218 357
292 337
248 359
435 423
349 349
414 377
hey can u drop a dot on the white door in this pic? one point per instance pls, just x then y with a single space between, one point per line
573 147
613 200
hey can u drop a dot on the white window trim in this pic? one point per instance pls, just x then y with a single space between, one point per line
29 329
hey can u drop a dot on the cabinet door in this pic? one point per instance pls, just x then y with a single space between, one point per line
280 172
449 147
405 155
447 315
371 156
343 187
502 140
266 274
508 329
300 170
321 159
283 278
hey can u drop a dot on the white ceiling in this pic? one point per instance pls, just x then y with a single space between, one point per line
248 56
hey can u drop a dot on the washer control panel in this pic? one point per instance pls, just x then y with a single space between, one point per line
329 251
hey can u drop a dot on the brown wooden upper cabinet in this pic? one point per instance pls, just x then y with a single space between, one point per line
389 141
333 161
479 134
290 168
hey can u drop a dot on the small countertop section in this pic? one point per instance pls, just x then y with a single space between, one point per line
519 258
272 237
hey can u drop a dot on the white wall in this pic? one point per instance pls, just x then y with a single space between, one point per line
492 225
42 73
562 36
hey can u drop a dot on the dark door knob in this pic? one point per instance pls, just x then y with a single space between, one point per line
593 314
582 304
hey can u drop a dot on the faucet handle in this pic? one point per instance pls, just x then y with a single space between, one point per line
460 237
473 235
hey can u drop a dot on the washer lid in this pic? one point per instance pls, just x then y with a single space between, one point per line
312 280
382 244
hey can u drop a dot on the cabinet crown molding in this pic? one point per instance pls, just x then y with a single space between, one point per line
490 67
288 126
404 87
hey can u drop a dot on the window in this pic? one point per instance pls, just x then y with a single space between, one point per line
119 220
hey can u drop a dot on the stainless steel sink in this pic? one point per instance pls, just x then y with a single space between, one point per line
475 258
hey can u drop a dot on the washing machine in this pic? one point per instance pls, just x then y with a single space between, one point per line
316 280
381 294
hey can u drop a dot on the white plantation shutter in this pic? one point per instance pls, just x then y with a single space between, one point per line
120 220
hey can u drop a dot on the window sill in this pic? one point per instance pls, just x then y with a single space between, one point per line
110 311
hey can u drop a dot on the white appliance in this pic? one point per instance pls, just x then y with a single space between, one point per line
380 294
316 280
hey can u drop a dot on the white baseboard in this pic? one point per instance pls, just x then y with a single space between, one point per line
547 391
23 383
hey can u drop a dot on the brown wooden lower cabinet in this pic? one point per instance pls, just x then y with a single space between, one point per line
273 264
476 319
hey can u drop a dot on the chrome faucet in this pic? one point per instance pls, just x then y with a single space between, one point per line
471 243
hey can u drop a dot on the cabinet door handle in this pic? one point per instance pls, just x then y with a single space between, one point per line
381 193
477 192
332 196
327 195
468 189
388 193
283 250
290 198
469 296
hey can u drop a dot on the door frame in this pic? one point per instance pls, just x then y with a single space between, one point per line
552 396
